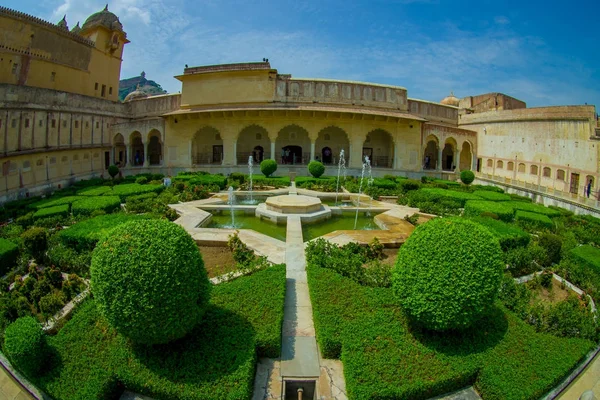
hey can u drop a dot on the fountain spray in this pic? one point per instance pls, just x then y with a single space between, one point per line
341 165
250 166
362 177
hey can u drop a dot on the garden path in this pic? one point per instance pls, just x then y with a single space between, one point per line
10 389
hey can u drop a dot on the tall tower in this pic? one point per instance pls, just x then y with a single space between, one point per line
106 31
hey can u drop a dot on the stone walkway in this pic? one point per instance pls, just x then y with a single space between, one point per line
589 379
10 389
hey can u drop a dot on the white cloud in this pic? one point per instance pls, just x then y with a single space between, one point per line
501 20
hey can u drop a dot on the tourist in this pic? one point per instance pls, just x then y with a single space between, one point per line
588 188
427 162
287 156
282 155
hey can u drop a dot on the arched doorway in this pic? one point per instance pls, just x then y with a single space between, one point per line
258 154
292 145
430 156
249 139
119 150
379 146
326 155
448 161
207 146
466 157
155 148
137 149
332 140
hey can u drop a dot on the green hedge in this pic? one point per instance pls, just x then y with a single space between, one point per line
383 183
276 181
9 252
387 358
510 236
55 201
303 180
87 206
24 343
216 361
492 195
434 194
587 255
133 189
446 182
535 208
538 220
84 235
208 180
54 211
95 191
503 210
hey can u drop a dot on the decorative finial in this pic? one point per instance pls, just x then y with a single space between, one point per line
63 22
143 74
106 8
452 93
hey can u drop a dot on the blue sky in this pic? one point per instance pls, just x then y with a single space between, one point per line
542 52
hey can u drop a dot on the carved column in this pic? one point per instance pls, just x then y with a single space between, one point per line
356 146
439 160
312 150
273 155
457 161
127 153
146 154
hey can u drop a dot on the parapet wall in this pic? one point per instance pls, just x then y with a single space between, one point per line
566 113
433 112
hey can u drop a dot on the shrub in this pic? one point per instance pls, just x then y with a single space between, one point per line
588 256
94 191
133 189
316 168
278 182
149 280
509 236
237 176
209 180
25 345
8 255
552 244
406 185
448 273
35 241
523 199
113 171
535 208
436 194
503 210
50 212
491 195
87 206
533 219
55 201
268 167
142 180
467 177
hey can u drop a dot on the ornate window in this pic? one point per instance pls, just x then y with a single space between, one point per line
522 168
510 166
499 164
533 170
560 174
547 172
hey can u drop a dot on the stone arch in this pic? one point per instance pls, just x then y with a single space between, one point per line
466 156
293 145
119 150
249 139
490 163
155 148
521 168
499 164
560 174
510 166
533 169
590 184
330 141
136 144
448 154
547 172
379 146
207 146
430 154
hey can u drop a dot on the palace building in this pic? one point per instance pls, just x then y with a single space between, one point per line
61 120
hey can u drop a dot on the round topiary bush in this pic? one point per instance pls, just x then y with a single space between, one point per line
25 345
113 171
448 273
316 168
268 167
467 177
149 280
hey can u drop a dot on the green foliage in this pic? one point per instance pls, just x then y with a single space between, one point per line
581 273
359 263
533 219
94 191
142 180
488 188
35 241
406 185
436 194
552 244
535 208
84 235
24 343
277 182
491 195
55 201
503 210
51 212
387 358
588 256
133 189
9 252
89 205
467 177
522 199
521 259
149 280
268 167
238 177
113 171
216 361
322 184
316 168
452 284
510 236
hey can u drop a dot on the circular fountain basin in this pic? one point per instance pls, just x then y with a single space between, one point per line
288 204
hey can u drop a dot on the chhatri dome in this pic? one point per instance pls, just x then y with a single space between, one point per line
103 18
136 94
451 100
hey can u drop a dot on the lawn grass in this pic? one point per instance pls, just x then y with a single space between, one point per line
215 361
385 357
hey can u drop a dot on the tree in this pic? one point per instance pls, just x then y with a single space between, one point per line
316 168
268 167
113 171
467 177
448 273
149 280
